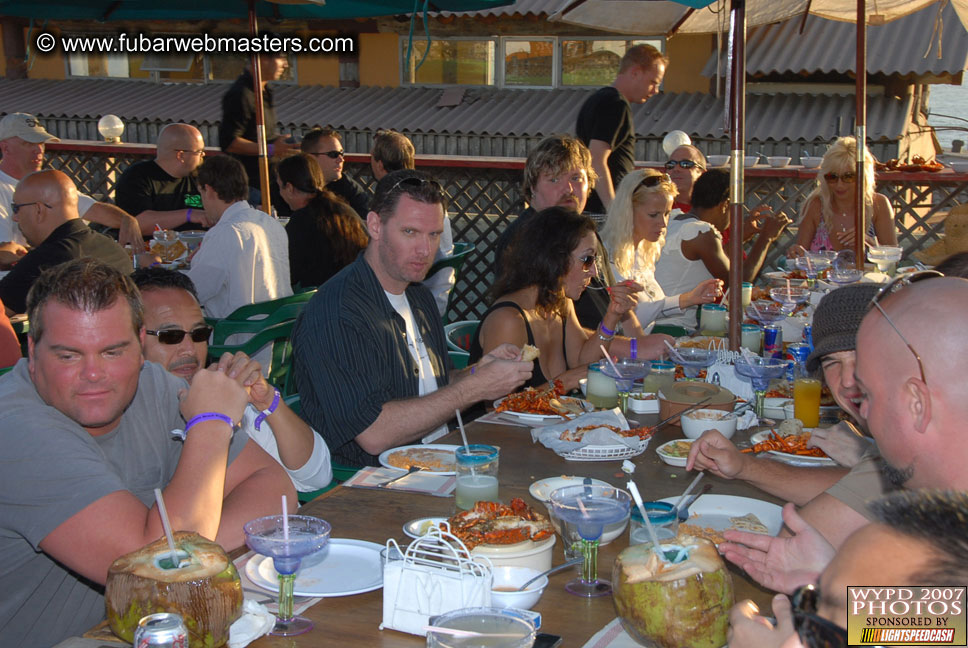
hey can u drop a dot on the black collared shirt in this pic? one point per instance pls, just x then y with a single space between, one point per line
351 356
70 241
350 190
145 186
238 120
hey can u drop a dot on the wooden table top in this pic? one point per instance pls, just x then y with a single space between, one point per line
378 515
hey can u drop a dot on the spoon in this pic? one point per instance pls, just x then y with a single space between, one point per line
683 512
564 565
411 471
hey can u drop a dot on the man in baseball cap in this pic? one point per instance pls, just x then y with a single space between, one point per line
23 140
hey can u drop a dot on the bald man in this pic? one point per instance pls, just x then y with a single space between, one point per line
164 191
45 209
684 166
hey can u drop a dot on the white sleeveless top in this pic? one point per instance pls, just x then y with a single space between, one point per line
677 274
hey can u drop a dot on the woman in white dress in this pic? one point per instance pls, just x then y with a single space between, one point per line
634 234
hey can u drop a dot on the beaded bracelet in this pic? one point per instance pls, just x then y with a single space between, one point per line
268 411
198 418
634 348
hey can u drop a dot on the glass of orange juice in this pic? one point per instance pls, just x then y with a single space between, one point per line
806 401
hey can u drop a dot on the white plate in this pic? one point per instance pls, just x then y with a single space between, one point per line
421 446
792 459
349 567
714 511
672 460
524 416
541 489
413 527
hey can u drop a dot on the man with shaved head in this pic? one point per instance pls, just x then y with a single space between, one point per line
684 166
45 209
164 191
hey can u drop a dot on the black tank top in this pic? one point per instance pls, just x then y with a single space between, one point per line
537 377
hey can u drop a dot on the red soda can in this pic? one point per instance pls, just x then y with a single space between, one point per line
162 630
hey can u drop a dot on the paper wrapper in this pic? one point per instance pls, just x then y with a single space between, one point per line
550 435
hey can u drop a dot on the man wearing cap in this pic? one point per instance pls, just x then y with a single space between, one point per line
833 499
22 143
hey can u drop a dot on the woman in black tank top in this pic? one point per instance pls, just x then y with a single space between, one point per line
548 264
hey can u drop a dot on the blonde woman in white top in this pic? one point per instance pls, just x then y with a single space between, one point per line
634 233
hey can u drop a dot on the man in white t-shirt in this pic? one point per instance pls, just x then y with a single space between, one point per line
22 144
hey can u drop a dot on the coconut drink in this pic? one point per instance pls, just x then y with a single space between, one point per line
202 586
679 600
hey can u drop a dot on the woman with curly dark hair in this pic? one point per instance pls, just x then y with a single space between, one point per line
325 233
546 266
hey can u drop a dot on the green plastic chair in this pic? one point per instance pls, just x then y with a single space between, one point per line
459 334
455 261
226 327
459 358
280 364
266 308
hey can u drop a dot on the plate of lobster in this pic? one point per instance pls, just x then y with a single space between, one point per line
915 165
494 523
791 449
540 405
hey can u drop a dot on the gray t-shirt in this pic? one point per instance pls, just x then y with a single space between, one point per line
50 469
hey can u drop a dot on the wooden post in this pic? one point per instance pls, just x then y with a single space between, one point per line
737 141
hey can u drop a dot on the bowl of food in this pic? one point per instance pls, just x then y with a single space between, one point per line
717 160
644 403
809 162
675 452
778 161
960 167
507 580
750 160
696 422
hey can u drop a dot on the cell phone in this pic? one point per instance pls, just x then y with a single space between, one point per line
545 640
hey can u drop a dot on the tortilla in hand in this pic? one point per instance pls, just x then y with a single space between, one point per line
529 352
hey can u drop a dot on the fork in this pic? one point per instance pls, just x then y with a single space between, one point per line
409 472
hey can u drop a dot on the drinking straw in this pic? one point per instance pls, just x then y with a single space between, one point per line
463 436
167 526
675 354
788 286
609 358
688 490
755 308
634 490
285 519
158 228
470 634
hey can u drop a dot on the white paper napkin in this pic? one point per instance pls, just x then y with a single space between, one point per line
256 620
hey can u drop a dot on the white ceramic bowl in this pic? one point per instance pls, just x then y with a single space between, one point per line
960 167
750 160
773 407
514 577
536 555
672 460
778 161
697 422
811 162
717 160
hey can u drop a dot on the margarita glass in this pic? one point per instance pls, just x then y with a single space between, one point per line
759 371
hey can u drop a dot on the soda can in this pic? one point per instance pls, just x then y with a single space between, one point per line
808 336
773 341
162 630
796 355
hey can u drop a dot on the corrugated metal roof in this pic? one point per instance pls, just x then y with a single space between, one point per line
507 112
517 8
830 46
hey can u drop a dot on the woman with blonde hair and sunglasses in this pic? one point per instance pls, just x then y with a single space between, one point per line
830 210
634 233
547 265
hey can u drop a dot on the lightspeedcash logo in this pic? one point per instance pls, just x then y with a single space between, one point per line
907 616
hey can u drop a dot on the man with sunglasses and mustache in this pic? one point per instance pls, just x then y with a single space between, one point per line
915 539
177 339
370 356
326 145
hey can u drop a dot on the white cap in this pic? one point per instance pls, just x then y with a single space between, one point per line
26 127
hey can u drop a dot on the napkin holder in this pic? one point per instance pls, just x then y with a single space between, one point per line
436 575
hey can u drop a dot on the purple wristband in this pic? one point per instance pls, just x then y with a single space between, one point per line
473 369
634 348
208 416
270 148
607 331
188 215
266 412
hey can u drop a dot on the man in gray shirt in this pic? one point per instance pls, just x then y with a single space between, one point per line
87 437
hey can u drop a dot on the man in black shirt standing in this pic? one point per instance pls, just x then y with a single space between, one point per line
326 146
45 208
164 191
605 120
237 131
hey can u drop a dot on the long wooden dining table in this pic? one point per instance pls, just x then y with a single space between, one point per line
376 515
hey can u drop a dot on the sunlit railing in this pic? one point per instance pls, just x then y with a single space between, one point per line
485 194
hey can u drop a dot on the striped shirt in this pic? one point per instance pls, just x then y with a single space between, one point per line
351 356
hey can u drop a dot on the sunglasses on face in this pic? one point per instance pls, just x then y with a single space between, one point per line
849 177
333 155
589 262
892 287
175 336
685 164
814 631
16 207
199 153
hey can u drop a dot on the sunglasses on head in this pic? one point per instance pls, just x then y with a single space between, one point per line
175 336
892 287
655 180
416 182
331 154
849 177
685 164
814 631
